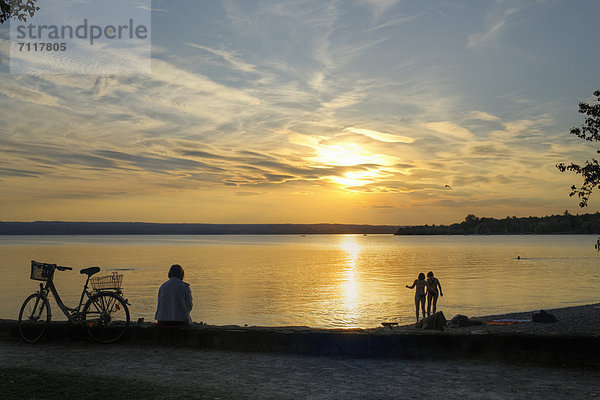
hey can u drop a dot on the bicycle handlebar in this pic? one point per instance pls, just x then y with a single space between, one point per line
46 265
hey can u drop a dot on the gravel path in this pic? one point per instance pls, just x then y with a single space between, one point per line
254 375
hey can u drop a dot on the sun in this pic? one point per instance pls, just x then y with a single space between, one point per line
357 178
347 154
372 166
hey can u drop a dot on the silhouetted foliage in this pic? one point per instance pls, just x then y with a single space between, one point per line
17 9
472 225
590 171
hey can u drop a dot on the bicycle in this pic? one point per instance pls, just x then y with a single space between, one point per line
105 315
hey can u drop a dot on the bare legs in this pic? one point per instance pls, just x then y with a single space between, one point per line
431 299
420 300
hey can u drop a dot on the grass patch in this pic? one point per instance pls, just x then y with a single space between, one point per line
26 383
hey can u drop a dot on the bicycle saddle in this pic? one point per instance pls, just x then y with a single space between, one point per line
90 271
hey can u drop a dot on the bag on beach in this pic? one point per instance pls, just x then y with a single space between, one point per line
460 320
437 321
542 316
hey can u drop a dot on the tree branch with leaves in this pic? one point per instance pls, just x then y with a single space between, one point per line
590 171
17 9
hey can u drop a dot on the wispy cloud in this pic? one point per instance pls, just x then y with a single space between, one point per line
28 95
383 137
495 22
449 129
232 59
395 22
380 7
483 116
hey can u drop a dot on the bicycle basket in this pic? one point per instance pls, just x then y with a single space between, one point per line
107 282
42 271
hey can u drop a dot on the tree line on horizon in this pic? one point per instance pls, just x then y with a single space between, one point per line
144 228
473 225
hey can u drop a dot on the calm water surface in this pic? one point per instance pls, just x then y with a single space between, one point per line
316 280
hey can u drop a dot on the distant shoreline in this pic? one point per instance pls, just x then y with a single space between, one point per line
144 228
554 225
566 224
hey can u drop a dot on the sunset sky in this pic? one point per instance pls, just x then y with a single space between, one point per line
375 112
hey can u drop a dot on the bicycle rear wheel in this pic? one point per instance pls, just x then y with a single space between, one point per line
106 317
34 317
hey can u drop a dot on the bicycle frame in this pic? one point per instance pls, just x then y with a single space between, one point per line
73 314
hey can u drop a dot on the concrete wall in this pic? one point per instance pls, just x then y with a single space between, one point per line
571 351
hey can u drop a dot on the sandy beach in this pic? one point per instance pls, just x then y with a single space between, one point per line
225 374
573 321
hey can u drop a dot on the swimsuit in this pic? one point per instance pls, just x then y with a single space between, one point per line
432 291
421 285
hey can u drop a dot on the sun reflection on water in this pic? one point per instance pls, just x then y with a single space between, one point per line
349 279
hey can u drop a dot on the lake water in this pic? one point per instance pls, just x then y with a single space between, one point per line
316 280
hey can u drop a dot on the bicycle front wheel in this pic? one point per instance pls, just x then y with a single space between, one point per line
34 317
106 317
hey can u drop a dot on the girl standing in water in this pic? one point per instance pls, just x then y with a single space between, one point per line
420 284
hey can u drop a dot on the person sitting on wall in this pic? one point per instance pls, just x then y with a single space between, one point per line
174 300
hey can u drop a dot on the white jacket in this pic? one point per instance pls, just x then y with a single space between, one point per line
174 301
